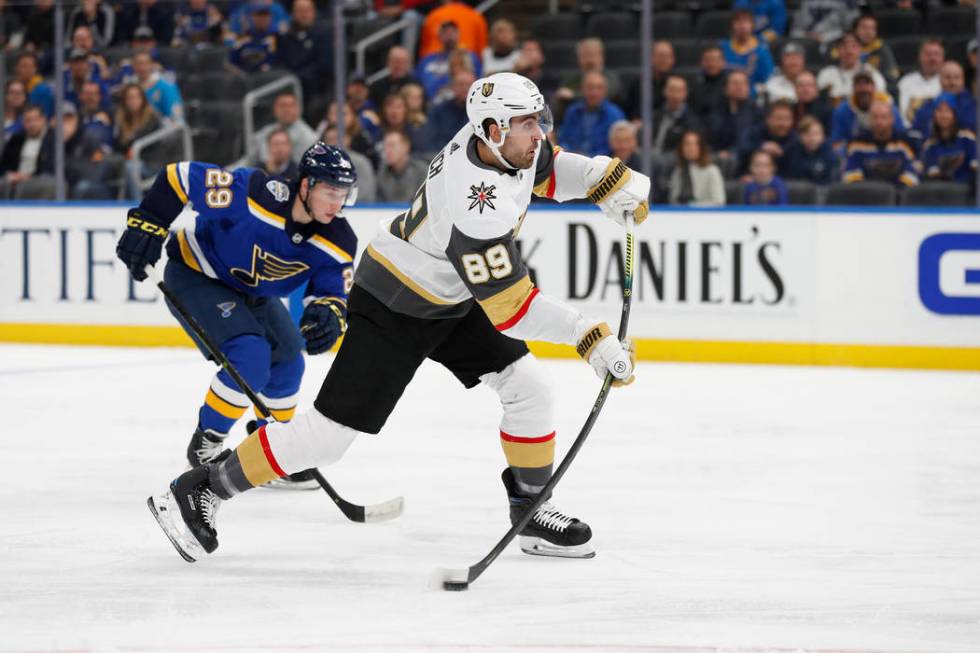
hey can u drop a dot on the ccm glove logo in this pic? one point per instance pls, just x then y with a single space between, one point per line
949 273
153 229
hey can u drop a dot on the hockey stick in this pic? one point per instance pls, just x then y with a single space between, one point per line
373 513
457 580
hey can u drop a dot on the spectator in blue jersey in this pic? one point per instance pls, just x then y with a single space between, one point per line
882 153
776 136
950 154
433 71
162 93
585 128
80 71
853 116
953 83
744 51
143 41
812 158
449 116
255 50
242 18
769 15
287 235
14 101
197 23
93 119
765 188
306 50
158 15
83 38
38 92
98 17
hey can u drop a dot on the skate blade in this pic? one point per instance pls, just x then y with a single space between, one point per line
537 546
286 484
165 510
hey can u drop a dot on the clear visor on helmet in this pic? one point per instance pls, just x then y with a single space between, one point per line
349 193
546 120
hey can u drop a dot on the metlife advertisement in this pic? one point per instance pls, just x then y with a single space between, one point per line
724 278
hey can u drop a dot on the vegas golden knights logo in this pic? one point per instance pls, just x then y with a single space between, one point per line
266 267
487 89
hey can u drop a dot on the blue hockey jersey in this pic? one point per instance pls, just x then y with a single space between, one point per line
244 234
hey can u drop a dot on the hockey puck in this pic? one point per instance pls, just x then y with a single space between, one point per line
455 586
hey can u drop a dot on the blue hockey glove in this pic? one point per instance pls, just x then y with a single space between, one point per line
141 243
321 325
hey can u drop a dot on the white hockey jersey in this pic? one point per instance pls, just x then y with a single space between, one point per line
458 242
457 239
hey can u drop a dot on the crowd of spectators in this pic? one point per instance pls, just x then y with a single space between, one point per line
810 94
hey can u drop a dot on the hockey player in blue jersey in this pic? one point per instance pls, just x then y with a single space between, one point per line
255 239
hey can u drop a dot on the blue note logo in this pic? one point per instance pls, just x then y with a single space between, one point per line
226 308
949 273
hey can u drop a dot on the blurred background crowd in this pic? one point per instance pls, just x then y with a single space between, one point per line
760 102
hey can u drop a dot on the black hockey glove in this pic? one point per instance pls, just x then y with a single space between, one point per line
321 325
141 243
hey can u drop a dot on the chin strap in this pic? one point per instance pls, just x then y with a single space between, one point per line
495 149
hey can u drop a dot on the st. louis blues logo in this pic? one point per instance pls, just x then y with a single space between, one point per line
266 267
226 308
482 196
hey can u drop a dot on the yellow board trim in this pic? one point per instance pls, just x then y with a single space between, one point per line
688 351
255 465
529 454
174 178
416 288
186 253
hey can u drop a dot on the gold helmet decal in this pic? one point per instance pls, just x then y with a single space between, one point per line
487 89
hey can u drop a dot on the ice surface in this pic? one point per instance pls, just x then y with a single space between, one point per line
734 508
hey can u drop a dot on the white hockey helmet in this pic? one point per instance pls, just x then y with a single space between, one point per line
501 97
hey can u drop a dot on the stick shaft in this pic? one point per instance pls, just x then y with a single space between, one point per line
352 511
476 570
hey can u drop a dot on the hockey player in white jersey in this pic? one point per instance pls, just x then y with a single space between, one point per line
445 281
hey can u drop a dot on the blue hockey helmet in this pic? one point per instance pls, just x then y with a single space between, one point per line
331 165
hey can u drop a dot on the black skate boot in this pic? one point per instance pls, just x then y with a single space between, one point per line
550 532
206 447
187 512
298 481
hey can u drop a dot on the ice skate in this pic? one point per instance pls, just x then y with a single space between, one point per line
297 481
186 513
206 447
550 532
